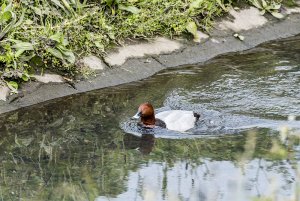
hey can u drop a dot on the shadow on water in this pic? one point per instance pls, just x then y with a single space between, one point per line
80 147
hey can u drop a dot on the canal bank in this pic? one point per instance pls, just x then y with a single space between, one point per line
145 60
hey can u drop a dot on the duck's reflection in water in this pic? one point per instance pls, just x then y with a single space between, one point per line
143 143
146 143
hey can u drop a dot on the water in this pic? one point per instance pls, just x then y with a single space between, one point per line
85 147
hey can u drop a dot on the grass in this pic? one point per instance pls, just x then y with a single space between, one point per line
54 34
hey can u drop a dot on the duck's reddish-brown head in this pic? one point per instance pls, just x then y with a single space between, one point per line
146 113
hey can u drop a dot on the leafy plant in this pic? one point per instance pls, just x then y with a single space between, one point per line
118 4
13 86
70 6
21 47
8 19
49 33
15 65
192 28
60 50
271 7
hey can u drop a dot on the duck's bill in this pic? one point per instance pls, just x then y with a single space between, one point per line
136 116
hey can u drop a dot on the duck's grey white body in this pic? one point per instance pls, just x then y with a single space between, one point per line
178 120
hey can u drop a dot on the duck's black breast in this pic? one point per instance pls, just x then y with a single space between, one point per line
160 123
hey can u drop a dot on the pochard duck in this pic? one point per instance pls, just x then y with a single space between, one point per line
177 120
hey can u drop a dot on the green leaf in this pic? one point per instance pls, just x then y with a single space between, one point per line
73 2
111 35
67 54
192 28
19 53
196 4
113 12
109 2
99 45
70 57
62 53
37 11
3 7
264 3
67 5
23 45
58 37
276 6
131 9
62 48
269 7
55 53
13 85
7 28
57 3
277 15
256 4
65 42
7 8
20 20
6 16
25 76
221 5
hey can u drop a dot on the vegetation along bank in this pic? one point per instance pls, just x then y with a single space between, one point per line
36 35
